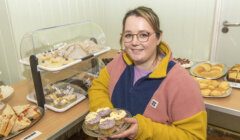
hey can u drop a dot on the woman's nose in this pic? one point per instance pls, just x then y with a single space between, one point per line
135 40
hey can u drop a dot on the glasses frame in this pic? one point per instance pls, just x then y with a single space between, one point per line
137 35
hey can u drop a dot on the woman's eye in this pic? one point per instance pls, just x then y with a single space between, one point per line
128 35
143 35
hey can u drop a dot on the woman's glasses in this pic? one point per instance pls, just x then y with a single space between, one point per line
141 36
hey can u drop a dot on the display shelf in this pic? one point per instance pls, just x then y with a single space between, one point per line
58 48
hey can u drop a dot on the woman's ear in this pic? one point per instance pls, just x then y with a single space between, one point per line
160 38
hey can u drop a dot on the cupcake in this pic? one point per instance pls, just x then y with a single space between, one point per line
107 126
119 116
103 112
92 120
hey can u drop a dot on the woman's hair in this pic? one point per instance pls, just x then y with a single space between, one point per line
148 14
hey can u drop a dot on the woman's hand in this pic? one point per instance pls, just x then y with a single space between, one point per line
129 133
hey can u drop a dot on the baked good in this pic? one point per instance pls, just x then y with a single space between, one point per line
60 102
20 108
107 126
32 113
213 87
92 120
8 111
103 112
20 123
208 70
17 118
10 125
233 74
205 92
3 124
119 116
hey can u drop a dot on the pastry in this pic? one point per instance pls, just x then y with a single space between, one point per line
119 116
213 87
92 120
205 92
20 123
107 126
103 112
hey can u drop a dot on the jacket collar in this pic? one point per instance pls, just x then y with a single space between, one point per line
161 69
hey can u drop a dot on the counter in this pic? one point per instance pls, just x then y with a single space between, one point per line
52 125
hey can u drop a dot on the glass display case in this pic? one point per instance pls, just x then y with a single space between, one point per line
52 54
62 46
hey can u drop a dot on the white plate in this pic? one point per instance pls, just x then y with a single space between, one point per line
228 93
118 129
6 91
212 63
80 97
25 61
233 84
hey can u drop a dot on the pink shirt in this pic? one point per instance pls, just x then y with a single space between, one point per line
139 73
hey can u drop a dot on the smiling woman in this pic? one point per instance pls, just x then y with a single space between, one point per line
144 80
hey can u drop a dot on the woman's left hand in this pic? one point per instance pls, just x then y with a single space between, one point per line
129 133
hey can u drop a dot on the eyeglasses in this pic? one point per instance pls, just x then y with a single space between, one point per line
141 36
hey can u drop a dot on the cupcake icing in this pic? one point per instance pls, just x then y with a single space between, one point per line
118 114
104 111
107 123
92 118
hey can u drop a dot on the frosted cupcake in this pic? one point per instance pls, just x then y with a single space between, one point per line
92 121
107 126
119 116
103 112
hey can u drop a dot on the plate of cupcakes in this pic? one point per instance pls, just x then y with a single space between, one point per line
106 122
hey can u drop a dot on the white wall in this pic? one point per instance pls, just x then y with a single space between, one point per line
8 55
187 24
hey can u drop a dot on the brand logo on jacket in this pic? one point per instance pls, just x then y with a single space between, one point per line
154 103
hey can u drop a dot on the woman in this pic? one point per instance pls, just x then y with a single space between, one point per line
163 98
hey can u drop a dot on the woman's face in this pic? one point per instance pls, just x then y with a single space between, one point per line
142 51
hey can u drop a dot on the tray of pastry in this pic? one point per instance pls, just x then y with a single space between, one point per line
15 120
63 55
106 122
184 62
214 88
60 96
233 76
208 70
5 92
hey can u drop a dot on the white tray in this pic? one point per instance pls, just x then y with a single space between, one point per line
80 97
25 61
